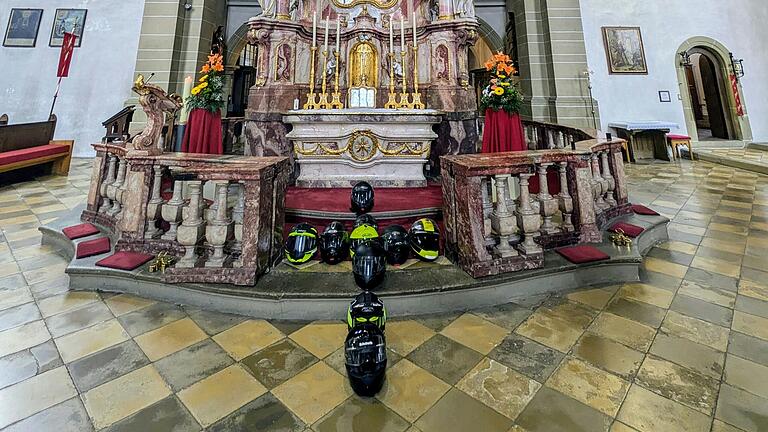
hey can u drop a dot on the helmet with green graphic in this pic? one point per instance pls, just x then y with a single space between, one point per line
424 237
301 244
366 308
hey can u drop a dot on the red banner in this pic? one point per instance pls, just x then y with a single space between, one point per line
736 96
65 58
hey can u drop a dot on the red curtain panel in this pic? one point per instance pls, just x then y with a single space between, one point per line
503 132
203 133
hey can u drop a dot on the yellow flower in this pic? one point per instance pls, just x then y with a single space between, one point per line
196 90
203 85
498 91
504 84
502 76
204 78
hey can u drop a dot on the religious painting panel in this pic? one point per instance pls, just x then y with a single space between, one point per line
68 21
23 25
624 50
441 63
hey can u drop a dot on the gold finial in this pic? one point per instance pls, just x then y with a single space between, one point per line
621 239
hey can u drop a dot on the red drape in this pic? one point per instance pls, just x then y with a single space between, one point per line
203 133
503 132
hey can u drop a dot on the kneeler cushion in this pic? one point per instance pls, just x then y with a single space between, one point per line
582 254
629 229
93 247
643 210
78 231
124 260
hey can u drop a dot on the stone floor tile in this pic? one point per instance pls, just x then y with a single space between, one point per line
752 325
192 364
361 413
608 355
746 375
646 411
78 319
696 330
721 426
68 416
680 384
247 337
735 246
322 338
630 333
457 411
438 322
752 306
167 415
214 323
589 385
550 331
405 336
265 413
754 289
410 390
29 397
671 256
508 315
49 288
499 387
173 337
18 315
666 267
126 395
475 332
717 266
647 294
15 297
748 347
10 283
643 313
122 304
677 246
66 302
621 427
742 409
596 298
697 357
702 310
718 296
552 411
17 367
445 358
23 337
9 268
41 275
150 317
711 279
526 356
287 326
659 280
277 363
313 392
104 366
90 340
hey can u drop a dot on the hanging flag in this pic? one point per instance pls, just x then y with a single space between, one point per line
65 58
736 96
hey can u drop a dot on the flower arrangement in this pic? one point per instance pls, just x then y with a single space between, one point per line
501 93
209 93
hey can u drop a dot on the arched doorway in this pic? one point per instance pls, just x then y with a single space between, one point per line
708 100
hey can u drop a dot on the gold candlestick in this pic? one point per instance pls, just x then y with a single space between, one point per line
311 96
392 101
323 104
416 102
336 99
404 99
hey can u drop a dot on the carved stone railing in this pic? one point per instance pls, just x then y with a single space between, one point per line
221 217
502 211
544 136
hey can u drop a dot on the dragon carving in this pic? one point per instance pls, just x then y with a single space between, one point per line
160 108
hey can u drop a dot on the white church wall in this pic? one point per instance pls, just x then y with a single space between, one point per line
740 25
100 76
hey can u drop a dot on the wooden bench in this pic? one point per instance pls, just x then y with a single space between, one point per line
680 140
28 144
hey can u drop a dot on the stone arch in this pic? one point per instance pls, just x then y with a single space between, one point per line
489 35
740 124
235 45
487 44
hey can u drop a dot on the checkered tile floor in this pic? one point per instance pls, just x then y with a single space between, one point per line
744 155
684 350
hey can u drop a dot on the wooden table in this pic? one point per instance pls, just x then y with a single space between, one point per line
645 139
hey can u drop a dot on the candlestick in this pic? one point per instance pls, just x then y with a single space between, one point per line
311 96
325 46
336 96
416 102
414 25
338 33
402 34
314 29
185 94
391 33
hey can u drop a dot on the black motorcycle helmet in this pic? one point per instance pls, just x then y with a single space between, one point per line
425 239
396 244
365 357
301 244
369 265
366 308
361 234
334 243
366 219
362 198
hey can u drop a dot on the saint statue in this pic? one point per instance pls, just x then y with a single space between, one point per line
267 8
465 8
330 68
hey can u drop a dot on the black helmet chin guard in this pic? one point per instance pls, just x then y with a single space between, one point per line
369 265
362 198
334 243
301 244
365 358
396 245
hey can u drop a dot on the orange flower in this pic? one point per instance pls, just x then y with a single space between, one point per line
214 58
218 67
206 68
489 65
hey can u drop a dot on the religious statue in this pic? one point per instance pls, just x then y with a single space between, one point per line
434 10
218 44
267 8
330 68
160 109
465 8
293 9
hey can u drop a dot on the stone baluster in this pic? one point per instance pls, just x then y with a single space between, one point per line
528 219
120 192
547 203
171 211
112 189
106 203
609 179
192 228
502 219
564 199
218 228
155 205
486 189
597 184
238 213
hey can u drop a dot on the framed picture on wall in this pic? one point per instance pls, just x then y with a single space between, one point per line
625 51
68 20
23 25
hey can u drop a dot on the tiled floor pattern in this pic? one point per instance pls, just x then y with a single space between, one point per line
743 154
686 349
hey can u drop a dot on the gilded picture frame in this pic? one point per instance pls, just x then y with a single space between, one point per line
624 51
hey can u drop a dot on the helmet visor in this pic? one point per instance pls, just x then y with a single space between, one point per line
427 242
368 266
362 355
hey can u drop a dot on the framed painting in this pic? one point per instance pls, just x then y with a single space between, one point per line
68 20
23 25
624 50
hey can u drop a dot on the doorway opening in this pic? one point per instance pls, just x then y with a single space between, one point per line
708 101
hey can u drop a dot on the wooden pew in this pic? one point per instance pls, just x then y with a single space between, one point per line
28 144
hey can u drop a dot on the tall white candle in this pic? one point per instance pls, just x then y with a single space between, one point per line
413 11
402 34
325 46
338 33
391 33
184 116
314 29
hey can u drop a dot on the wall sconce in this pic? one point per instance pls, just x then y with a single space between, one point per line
737 66
685 59
187 5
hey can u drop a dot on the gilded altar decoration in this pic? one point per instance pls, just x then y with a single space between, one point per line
380 4
161 262
160 108
501 93
364 65
621 239
362 146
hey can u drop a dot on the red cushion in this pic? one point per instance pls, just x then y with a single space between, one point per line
7 158
629 229
93 247
78 231
124 260
582 254
678 137
643 210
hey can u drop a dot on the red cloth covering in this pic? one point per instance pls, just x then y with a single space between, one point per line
629 229
678 137
203 133
13 156
93 247
503 132
124 260
385 199
643 210
582 254
79 231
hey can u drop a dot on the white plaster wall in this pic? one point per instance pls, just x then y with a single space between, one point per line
740 25
100 76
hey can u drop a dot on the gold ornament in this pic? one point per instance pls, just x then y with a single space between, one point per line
621 239
161 262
